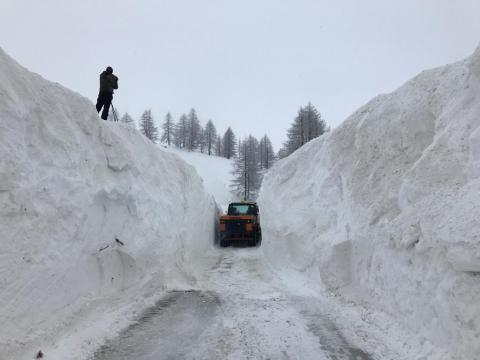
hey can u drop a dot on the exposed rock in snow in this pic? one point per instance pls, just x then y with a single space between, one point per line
385 209
70 185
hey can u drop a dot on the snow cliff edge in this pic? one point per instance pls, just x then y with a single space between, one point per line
385 209
91 213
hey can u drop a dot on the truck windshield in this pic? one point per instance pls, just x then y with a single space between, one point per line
241 209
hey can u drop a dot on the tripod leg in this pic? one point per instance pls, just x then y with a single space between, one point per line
115 118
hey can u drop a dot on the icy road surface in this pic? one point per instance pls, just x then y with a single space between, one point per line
240 311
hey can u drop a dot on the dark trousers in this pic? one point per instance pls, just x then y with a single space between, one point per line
104 100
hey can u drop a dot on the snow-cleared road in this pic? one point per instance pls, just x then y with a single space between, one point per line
241 311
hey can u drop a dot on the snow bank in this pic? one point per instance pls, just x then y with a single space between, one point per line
90 212
215 171
385 209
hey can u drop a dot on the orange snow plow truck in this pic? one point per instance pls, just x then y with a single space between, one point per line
241 224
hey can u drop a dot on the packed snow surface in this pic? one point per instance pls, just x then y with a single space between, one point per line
216 173
385 210
94 220
241 310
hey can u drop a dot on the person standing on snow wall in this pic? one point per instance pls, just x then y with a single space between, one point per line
108 83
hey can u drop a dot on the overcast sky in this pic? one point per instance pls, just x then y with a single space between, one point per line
249 64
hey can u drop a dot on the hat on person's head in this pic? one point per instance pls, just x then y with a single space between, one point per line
109 69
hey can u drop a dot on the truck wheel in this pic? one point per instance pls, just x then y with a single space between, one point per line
258 237
224 242
254 240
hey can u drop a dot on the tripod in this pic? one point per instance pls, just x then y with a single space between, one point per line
115 117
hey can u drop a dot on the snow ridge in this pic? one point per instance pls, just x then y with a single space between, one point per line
88 203
384 209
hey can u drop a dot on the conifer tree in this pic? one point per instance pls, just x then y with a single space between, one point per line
202 140
193 133
308 124
147 126
181 130
219 146
266 153
246 169
168 130
210 137
228 144
127 119
282 153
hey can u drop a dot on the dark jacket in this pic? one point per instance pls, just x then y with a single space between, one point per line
108 82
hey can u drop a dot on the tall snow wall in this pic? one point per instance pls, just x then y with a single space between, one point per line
385 209
89 210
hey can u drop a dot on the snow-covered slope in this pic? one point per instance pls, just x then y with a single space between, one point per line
385 209
216 173
94 219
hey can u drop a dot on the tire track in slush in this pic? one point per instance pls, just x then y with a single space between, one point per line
244 314
168 330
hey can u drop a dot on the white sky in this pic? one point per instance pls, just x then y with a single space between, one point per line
249 64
